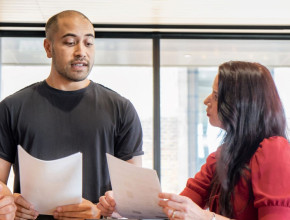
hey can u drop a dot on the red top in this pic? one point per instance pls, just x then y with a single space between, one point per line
269 178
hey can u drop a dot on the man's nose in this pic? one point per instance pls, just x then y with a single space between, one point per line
80 50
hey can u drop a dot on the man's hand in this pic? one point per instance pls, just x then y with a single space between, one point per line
84 210
7 206
107 204
24 209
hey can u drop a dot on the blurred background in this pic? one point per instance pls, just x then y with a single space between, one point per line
162 55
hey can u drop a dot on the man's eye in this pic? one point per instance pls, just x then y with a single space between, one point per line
69 43
89 44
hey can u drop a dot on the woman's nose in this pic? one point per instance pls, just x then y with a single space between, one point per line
206 101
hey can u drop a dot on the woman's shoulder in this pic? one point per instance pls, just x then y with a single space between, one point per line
274 140
273 147
270 173
271 156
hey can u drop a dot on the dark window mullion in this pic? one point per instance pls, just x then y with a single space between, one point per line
156 107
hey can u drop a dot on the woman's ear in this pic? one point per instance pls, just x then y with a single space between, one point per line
48 47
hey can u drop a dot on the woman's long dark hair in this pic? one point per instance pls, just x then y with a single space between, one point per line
250 110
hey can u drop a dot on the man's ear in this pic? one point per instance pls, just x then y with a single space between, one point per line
48 47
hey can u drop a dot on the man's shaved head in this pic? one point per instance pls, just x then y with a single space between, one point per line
52 23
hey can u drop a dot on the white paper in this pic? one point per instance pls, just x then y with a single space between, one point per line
135 190
48 184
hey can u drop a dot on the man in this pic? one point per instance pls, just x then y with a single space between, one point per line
7 206
68 113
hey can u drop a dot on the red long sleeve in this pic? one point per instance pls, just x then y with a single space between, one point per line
269 179
197 188
270 176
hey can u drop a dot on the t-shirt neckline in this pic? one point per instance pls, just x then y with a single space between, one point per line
66 92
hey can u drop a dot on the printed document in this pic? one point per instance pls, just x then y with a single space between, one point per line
48 184
135 190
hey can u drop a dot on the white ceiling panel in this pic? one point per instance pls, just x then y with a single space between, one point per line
186 12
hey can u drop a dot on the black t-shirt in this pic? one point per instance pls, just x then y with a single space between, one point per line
50 124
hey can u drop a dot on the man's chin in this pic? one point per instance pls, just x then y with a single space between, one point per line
78 77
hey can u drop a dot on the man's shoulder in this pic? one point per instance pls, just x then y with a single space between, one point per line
22 93
101 88
106 92
29 87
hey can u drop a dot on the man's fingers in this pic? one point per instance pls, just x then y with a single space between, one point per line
24 209
7 209
84 210
73 215
6 200
105 211
109 198
84 206
21 215
105 203
8 216
109 193
20 201
26 212
70 214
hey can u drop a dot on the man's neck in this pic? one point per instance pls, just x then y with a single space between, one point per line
67 85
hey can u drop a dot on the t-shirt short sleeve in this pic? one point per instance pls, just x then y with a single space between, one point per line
7 142
270 168
129 134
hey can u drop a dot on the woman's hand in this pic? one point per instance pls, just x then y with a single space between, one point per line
181 207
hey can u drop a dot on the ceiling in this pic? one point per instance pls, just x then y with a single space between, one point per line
158 12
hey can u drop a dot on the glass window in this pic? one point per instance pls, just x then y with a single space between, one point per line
188 68
281 77
125 65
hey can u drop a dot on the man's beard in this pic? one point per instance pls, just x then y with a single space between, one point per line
66 72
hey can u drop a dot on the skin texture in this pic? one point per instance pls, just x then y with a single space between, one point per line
7 205
72 51
212 105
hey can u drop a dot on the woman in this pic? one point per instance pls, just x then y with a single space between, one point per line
248 177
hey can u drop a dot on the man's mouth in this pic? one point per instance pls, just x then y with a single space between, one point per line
79 64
